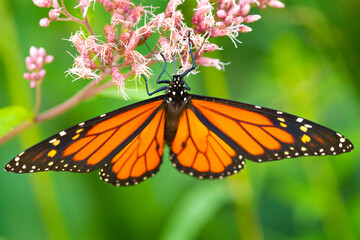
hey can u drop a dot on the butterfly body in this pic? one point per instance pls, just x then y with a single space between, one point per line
176 99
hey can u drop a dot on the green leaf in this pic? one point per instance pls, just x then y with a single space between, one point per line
12 116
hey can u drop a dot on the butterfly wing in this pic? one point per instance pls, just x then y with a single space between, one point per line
99 143
251 132
198 151
266 134
140 158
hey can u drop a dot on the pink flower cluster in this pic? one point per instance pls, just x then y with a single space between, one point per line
35 63
130 25
230 18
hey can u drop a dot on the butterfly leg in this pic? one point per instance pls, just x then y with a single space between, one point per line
157 80
147 87
163 71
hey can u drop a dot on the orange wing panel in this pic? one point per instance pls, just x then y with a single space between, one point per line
198 151
141 157
236 113
127 116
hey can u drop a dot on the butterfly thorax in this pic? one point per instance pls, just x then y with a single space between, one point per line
175 101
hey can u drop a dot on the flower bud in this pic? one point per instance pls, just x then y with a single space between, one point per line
54 14
244 29
221 14
245 9
276 4
44 22
49 59
27 76
43 3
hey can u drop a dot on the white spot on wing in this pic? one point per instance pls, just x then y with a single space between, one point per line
299 120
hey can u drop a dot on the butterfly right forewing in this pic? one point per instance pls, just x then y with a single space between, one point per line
265 134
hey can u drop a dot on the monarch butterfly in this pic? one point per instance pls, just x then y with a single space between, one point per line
208 138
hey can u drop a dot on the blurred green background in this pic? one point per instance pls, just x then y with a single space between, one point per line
302 59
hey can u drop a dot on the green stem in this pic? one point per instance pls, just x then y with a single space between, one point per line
37 98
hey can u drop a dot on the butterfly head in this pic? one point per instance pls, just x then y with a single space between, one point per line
176 91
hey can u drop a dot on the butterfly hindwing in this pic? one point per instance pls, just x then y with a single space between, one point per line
140 158
199 152
89 145
264 134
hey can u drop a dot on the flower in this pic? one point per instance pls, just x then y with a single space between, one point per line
35 63
131 24
210 62
43 3
44 22
118 80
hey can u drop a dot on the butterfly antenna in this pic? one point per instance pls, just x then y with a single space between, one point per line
174 65
206 36
164 70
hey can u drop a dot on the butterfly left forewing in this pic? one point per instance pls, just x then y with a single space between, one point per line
88 145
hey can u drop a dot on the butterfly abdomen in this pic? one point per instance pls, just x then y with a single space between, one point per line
176 99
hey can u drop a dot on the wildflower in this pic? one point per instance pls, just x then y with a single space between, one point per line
54 14
82 69
90 45
78 41
124 40
123 35
167 50
245 9
211 47
203 17
35 63
105 54
44 22
43 3
118 80
171 7
109 34
244 29
225 4
141 69
276 4
122 6
117 19
210 62
84 5
134 41
146 32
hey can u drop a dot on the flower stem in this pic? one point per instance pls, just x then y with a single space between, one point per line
72 18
